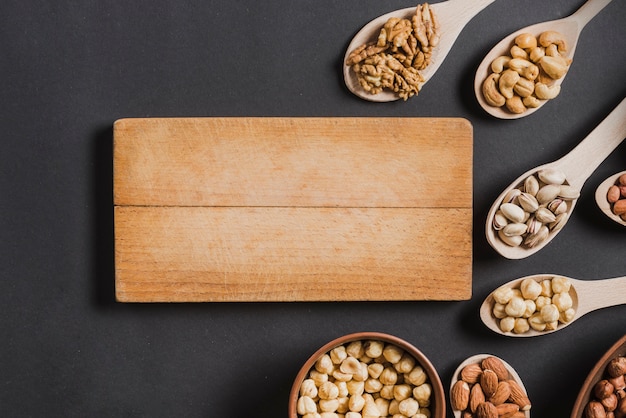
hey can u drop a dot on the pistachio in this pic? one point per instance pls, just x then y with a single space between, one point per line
531 185
528 202
513 229
557 206
511 196
548 193
512 241
533 225
513 212
544 215
499 221
559 222
535 239
551 176
568 192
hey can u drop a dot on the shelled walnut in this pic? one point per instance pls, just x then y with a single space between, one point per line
403 48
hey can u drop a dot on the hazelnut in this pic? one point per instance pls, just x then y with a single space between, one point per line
595 409
603 389
617 367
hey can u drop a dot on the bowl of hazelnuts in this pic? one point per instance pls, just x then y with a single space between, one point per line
367 374
603 395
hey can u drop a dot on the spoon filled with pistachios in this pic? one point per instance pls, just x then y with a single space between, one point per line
544 303
611 197
486 382
525 69
394 55
536 206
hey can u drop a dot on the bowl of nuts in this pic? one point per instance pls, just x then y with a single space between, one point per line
367 374
611 197
603 392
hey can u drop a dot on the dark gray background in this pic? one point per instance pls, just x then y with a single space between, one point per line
71 68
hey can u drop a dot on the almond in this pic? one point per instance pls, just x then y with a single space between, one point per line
476 397
495 364
471 373
518 396
506 410
489 382
459 395
502 394
486 410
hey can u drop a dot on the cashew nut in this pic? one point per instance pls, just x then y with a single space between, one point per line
499 64
490 91
524 68
555 67
517 52
524 87
526 40
537 53
545 92
507 81
551 37
515 105
531 101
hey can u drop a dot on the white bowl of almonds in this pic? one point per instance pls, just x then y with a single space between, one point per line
367 374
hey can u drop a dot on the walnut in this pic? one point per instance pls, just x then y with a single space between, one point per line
403 48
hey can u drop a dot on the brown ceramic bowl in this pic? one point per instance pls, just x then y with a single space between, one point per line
437 399
596 374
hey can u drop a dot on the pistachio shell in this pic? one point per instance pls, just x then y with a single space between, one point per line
513 212
544 215
548 193
551 176
528 202
531 185
568 192
514 229
513 241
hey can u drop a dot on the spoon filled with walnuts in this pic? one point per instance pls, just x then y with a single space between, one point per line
394 55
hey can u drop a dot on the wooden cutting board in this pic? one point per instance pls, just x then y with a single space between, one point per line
292 209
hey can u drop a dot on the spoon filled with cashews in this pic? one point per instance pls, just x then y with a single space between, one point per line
532 210
449 16
526 69
544 303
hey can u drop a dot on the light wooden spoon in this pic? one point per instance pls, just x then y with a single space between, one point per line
587 296
577 166
478 358
453 15
570 27
602 201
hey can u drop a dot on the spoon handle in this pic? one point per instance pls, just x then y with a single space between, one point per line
583 160
588 11
465 10
600 293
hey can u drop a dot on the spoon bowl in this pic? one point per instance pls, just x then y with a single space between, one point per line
570 27
477 359
577 166
602 201
587 296
453 15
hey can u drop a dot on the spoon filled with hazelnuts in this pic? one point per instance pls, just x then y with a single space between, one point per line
525 70
544 303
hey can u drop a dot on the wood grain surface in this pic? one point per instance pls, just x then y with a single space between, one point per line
292 209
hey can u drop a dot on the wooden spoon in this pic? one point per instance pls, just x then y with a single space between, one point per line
587 296
478 358
602 201
569 27
453 15
577 166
